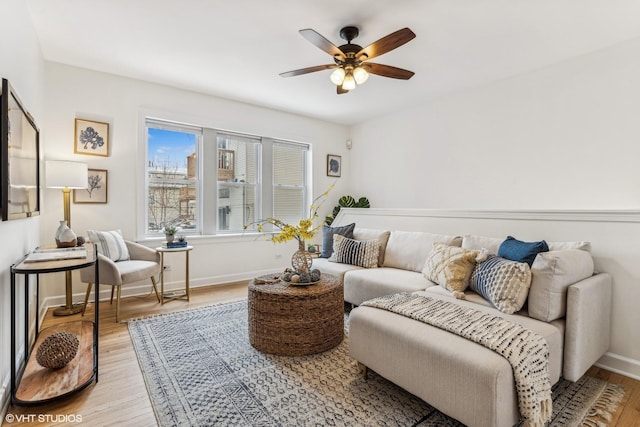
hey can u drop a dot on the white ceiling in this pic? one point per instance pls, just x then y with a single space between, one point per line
236 48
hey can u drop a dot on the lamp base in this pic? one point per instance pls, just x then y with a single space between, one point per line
67 311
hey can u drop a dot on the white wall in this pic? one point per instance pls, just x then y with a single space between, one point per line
72 92
21 63
564 137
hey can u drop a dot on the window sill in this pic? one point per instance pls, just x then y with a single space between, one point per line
210 238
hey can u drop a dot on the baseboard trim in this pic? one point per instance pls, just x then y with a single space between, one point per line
145 288
620 365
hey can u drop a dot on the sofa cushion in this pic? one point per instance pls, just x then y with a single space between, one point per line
517 250
491 244
363 253
364 284
335 268
408 250
370 234
502 282
451 266
552 274
327 237
561 246
110 244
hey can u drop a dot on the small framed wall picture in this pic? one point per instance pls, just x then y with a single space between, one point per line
91 138
96 191
334 165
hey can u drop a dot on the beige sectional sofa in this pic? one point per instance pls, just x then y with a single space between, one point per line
568 304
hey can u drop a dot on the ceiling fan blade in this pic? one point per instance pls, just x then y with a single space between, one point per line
388 71
387 43
307 70
340 91
319 41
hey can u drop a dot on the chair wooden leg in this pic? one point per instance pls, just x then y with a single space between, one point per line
112 294
155 287
118 305
86 297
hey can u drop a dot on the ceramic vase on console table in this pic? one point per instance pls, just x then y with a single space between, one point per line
65 237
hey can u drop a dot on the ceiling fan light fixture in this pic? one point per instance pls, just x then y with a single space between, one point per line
337 77
349 82
360 75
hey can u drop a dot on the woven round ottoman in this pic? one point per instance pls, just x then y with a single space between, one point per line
290 320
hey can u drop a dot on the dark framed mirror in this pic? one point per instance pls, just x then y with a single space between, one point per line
19 158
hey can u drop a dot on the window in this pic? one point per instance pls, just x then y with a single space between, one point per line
238 181
242 179
172 176
290 199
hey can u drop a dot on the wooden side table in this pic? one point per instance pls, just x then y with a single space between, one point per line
290 320
180 293
32 384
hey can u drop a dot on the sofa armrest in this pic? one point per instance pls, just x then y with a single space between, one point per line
588 324
109 273
141 252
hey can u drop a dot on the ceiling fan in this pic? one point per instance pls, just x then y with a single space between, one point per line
351 66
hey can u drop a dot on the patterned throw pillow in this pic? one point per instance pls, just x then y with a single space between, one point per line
363 253
502 282
451 266
329 232
110 244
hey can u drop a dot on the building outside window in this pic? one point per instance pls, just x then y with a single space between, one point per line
241 179
172 176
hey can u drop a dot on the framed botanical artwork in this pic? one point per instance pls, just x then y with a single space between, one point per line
96 191
334 165
91 138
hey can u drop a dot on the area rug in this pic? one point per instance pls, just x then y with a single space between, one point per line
200 370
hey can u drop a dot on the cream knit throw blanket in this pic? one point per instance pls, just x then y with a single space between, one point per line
526 351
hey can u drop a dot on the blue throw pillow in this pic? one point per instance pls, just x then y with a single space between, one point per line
327 237
517 250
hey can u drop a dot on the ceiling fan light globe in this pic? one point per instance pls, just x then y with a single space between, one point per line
349 82
360 75
337 77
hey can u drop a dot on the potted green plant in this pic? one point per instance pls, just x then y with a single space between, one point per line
169 232
346 202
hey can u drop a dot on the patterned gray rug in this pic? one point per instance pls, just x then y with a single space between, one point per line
200 370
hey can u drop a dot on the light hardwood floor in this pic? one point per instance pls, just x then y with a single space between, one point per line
120 397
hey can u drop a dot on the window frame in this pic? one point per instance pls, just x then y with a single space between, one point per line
206 193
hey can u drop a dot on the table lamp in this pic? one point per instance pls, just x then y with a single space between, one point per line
67 176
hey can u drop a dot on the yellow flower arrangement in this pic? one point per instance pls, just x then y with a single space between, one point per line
301 231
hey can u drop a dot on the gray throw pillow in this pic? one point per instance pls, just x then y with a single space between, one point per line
327 237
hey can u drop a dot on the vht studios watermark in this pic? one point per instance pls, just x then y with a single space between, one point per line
43 418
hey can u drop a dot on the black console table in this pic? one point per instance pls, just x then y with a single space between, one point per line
31 384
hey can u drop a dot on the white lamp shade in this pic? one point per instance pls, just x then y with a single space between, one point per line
65 174
337 77
349 82
360 75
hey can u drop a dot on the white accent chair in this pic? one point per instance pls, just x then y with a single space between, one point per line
143 263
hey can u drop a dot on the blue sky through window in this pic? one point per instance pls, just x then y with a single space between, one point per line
170 148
